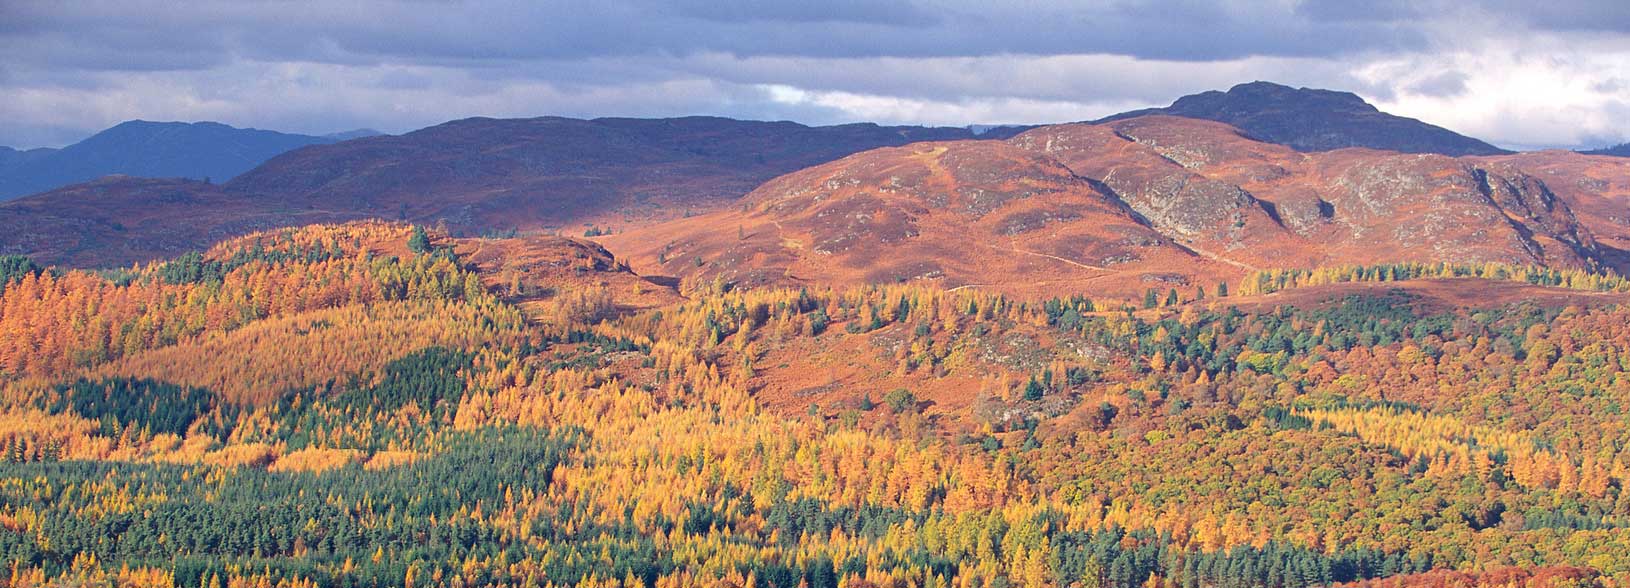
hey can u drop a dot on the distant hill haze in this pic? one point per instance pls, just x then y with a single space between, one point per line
200 150
1307 119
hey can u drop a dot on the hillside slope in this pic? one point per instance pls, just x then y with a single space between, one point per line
481 174
1151 202
1345 206
1596 187
117 220
971 213
474 176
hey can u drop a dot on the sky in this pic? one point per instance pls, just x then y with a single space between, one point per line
1516 73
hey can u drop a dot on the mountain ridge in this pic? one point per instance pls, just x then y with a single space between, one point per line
483 175
1308 119
476 175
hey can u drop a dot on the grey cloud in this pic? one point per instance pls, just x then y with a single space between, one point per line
324 66
889 12
43 135
1350 11
1446 84
1567 15
364 31
1550 15
159 34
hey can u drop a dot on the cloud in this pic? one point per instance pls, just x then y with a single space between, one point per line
144 34
1099 77
894 13
73 68
938 112
1567 15
1545 94
1446 84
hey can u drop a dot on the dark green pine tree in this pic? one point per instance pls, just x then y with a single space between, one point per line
419 242
1033 389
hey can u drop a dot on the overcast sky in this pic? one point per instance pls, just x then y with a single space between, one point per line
1517 73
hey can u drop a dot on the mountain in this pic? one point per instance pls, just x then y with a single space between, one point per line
1307 119
1153 201
479 174
1259 204
12 157
1620 150
201 150
968 213
1215 187
474 176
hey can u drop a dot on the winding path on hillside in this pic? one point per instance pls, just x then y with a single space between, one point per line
1218 258
1014 247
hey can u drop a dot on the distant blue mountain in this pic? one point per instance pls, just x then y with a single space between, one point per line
11 158
201 150
1620 150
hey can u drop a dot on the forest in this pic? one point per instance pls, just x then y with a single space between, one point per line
361 405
